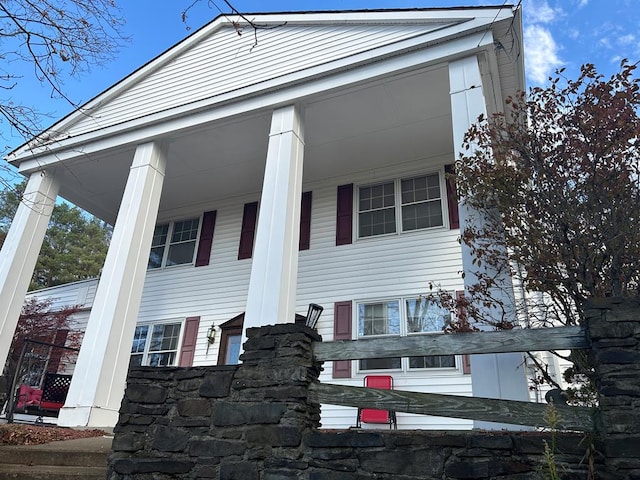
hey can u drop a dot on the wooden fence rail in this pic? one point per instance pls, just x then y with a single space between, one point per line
473 408
520 340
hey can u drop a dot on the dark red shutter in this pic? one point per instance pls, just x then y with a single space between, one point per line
56 353
342 331
305 221
452 197
466 359
344 215
206 238
248 232
189 339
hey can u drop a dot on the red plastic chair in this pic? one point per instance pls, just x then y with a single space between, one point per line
371 415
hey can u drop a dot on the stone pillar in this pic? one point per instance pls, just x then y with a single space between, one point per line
492 375
101 369
243 421
20 251
613 326
274 271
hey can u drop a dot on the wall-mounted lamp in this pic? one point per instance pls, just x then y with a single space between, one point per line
313 315
211 334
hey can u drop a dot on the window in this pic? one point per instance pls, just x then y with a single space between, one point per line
174 243
400 205
155 345
403 316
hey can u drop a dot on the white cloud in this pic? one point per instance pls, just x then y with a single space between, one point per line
541 53
582 3
539 11
627 39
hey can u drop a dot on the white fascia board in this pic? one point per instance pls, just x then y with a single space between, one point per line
484 15
407 16
142 130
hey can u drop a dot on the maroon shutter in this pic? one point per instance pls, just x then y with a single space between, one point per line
248 232
189 339
305 221
466 359
452 197
206 238
342 331
56 353
344 215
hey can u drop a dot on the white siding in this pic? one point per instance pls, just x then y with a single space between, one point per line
371 268
226 62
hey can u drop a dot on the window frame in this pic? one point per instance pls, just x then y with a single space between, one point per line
168 243
405 367
398 204
146 352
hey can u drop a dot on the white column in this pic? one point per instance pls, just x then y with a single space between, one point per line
492 376
274 271
20 251
99 378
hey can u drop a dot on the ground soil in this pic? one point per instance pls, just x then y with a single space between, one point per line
29 434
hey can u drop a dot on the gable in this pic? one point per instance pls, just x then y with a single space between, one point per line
226 62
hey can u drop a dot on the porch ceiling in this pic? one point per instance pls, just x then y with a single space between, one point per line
397 119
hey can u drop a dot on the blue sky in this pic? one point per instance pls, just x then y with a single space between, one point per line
558 33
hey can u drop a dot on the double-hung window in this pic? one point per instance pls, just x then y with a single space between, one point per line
400 205
155 345
174 243
402 317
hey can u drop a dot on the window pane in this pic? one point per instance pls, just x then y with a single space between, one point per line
421 204
139 339
232 356
181 253
380 363
379 318
165 359
160 235
185 230
155 257
376 213
422 215
164 337
424 315
432 361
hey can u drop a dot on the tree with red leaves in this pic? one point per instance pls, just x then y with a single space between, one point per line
553 187
46 326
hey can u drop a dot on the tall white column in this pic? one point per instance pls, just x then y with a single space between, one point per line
20 251
492 375
99 378
274 271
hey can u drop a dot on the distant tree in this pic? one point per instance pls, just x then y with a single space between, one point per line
50 40
554 184
74 246
40 323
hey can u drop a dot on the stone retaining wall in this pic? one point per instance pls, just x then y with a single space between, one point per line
255 422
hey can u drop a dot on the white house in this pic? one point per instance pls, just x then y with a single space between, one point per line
247 176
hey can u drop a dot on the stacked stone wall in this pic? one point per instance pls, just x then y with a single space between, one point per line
255 422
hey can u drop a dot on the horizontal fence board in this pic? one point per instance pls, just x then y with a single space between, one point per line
487 409
520 340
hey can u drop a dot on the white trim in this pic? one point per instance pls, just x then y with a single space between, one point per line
396 180
205 111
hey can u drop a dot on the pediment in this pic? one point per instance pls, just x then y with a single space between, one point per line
219 64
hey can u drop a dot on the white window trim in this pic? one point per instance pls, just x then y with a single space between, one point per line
151 324
165 254
404 362
398 203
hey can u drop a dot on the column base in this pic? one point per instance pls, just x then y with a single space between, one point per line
94 417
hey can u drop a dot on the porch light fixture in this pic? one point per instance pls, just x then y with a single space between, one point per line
313 315
211 334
